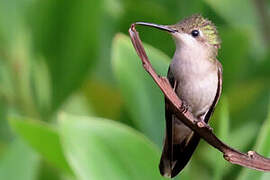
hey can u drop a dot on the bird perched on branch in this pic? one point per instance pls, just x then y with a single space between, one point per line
196 76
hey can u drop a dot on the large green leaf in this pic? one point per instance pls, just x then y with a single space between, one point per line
11 26
42 138
144 100
102 149
19 161
262 146
66 33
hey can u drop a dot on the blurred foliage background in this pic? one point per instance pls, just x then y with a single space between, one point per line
75 102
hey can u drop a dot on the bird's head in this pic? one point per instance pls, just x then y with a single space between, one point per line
194 32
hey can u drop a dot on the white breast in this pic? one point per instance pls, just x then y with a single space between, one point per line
197 80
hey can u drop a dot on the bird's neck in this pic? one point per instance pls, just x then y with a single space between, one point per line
194 53
192 61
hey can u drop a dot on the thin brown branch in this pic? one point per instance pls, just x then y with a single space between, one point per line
251 159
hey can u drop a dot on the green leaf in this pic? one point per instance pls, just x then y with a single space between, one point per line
102 149
77 104
227 9
262 147
253 90
265 176
11 26
237 141
42 87
223 133
66 33
43 138
211 156
230 51
144 100
242 14
19 162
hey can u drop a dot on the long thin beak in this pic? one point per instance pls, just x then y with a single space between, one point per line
162 27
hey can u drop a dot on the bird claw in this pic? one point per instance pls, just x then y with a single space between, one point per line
184 107
199 122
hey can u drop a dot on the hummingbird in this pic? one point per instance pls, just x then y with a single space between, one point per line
195 75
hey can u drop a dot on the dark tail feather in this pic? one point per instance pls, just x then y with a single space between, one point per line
183 155
176 155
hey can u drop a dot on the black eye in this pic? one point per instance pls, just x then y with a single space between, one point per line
195 33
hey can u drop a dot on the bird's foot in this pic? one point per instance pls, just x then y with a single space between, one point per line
184 107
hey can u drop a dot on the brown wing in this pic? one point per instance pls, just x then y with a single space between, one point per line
165 165
177 152
219 88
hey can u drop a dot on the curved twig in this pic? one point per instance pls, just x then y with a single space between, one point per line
251 159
